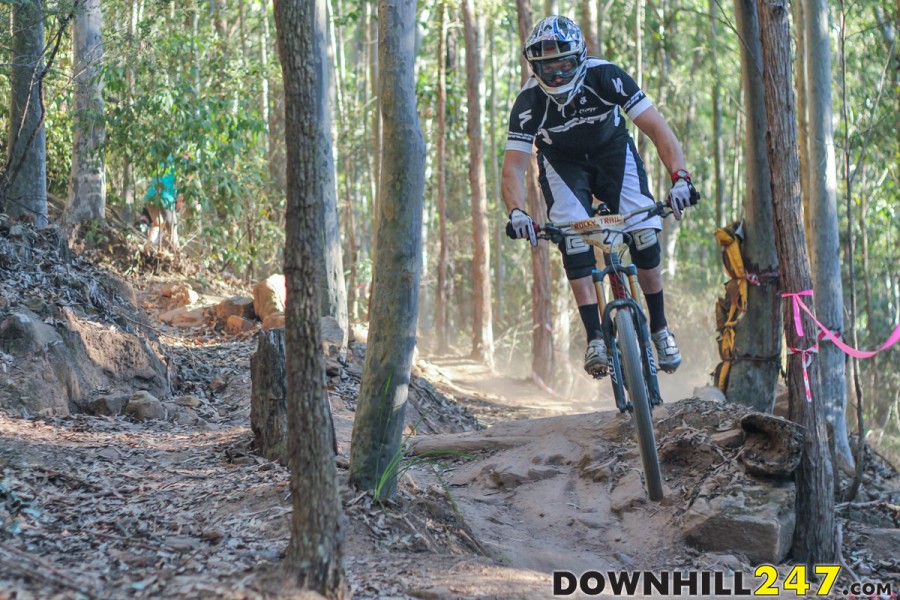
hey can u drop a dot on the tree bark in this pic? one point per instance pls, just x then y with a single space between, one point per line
395 295
757 336
800 42
440 306
589 26
542 356
377 126
316 524
823 219
814 531
333 288
268 397
87 181
722 216
23 182
482 321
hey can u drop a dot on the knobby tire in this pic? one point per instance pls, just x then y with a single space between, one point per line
633 372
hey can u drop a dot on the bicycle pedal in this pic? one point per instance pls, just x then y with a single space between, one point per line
598 372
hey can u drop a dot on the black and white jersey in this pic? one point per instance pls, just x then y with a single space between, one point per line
583 127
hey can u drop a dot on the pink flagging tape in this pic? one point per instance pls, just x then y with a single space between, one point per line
795 296
835 338
806 358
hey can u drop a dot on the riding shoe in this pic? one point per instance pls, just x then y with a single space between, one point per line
595 360
666 350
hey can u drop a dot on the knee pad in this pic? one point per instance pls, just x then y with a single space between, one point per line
578 257
645 249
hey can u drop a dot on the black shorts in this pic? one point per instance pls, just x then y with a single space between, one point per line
616 177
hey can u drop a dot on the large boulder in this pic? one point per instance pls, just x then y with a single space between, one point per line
755 521
240 306
62 360
143 406
269 296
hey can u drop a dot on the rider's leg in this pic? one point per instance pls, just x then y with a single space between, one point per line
595 357
650 281
645 253
566 190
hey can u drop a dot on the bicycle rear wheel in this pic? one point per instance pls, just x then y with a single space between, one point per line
633 373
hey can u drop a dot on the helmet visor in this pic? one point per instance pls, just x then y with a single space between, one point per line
556 72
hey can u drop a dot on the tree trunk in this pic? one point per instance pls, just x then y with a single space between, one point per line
440 306
482 322
814 531
377 142
757 336
395 295
268 397
542 356
87 181
722 216
589 26
315 551
497 208
800 42
23 181
128 190
264 76
333 288
825 242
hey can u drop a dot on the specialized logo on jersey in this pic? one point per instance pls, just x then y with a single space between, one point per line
575 122
524 117
584 99
620 87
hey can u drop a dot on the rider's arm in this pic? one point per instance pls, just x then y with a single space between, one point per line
659 132
515 164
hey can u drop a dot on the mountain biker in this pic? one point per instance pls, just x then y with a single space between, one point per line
569 110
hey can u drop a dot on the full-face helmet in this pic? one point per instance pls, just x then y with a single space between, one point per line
556 53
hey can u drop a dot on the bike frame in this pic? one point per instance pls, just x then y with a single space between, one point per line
624 286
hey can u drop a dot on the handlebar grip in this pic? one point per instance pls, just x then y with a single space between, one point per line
511 233
695 196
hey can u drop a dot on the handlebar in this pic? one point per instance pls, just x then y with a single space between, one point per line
549 231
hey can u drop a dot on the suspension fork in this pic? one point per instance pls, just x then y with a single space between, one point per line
621 300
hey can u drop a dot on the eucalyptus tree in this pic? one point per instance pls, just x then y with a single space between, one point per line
814 530
440 160
757 336
482 322
542 356
315 549
824 239
333 288
23 178
87 182
383 391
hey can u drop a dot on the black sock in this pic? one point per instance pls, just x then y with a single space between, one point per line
656 306
590 316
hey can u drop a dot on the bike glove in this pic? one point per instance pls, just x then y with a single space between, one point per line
522 226
682 195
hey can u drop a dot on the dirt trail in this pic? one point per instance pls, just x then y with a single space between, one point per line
532 504
110 507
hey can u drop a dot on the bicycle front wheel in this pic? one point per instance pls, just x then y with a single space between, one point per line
633 373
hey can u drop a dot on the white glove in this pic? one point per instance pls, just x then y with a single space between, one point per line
680 197
522 225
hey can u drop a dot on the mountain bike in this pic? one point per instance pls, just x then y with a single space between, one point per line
632 368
